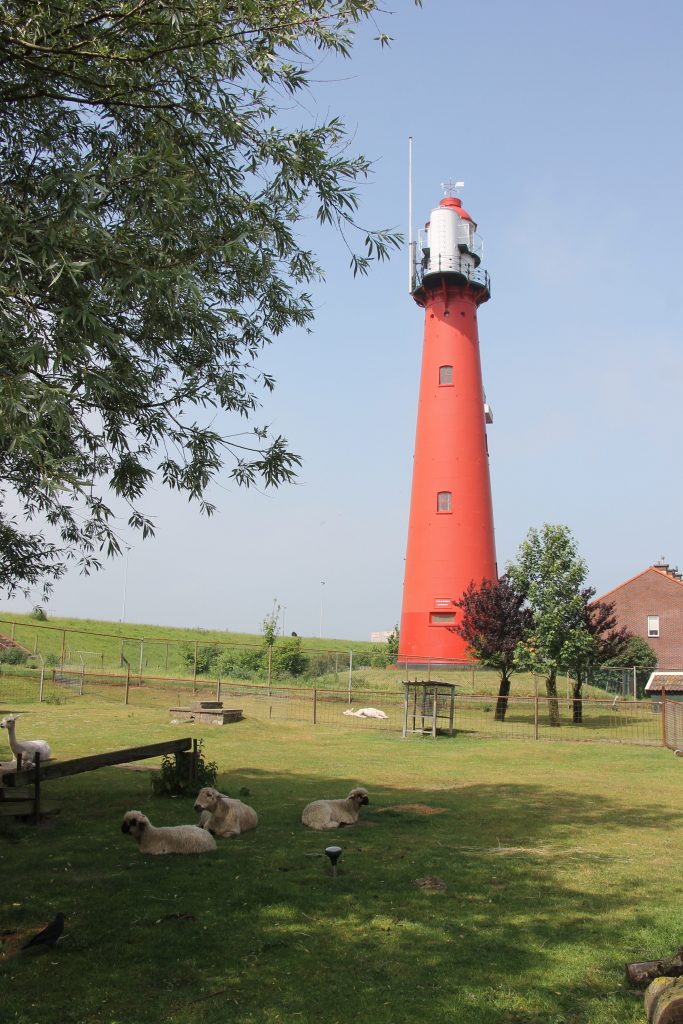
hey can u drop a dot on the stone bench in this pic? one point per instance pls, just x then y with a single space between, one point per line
206 712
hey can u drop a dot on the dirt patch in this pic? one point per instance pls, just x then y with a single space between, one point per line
413 809
432 883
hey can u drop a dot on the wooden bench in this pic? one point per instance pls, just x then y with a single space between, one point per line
20 791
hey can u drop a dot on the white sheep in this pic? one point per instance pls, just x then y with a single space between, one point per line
172 839
327 814
222 815
366 713
27 748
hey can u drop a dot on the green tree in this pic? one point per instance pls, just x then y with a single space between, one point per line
393 641
153 178
550 574
495 621
637 654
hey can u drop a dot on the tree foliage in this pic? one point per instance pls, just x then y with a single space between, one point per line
495 621
609 641
550 573
153 178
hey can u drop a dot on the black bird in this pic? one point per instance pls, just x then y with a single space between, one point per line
49 935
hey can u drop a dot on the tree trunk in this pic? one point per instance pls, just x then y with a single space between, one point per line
553 703
502 702
577 702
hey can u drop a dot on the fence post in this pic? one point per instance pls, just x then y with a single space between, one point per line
664 737
61 656
350 675
218 690
536 716
315 705
142 648
125 700
42 678
635 683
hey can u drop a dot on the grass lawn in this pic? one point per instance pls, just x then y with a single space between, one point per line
557 862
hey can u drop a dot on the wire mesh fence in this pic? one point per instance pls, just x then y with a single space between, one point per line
644 722
672 723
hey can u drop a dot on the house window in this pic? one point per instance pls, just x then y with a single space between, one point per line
653 625
442 618
443 501
445 375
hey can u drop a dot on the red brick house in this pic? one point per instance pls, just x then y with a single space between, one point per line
651 606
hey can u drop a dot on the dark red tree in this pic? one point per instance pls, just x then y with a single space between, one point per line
494 621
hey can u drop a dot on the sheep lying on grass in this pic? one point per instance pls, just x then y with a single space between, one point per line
27 748
173 839
326 814
222 815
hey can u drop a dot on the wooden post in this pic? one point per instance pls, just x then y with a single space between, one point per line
166 660
435 702
125 699
218 689
194 670
14 626
142 648
36 787
35 645
42 679
536 716
270 665
80 688
61 656
194 760
315 706
452 712
405 710
351 678
664 742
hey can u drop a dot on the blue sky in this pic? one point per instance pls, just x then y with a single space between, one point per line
563 121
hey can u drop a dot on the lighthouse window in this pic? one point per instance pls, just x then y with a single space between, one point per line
443 501
441 618
445 375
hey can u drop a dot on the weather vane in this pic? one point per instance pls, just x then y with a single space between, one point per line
451 187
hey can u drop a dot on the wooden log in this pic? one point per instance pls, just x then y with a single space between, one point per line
664 1001
645 971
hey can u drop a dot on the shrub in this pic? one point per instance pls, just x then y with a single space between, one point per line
207 656
39 613
245 664
288 657
173 778
13 656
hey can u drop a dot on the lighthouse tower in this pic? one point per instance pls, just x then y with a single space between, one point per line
450 531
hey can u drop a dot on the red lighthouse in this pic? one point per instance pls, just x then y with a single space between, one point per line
450 531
